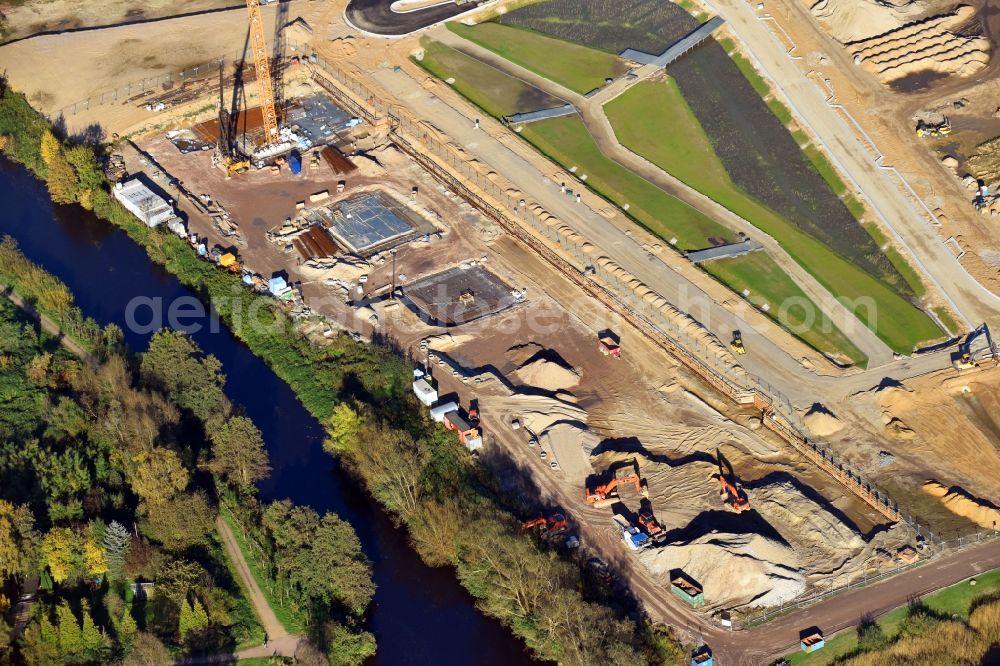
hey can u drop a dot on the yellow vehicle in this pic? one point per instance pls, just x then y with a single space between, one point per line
737 343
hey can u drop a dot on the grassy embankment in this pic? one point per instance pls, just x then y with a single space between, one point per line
951 601
573 66
639 118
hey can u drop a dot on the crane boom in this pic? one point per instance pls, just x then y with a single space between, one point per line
262 64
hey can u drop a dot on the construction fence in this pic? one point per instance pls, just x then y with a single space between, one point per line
437 156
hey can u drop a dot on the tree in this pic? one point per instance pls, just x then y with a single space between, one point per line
159 475
18 540
93 557
148 651
344 429
193 618
345 647
60 177
117 543
238 453
181 521
93 641
194 381
392 465
61 553
68 631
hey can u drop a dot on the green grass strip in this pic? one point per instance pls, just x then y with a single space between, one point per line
567 141
573 66
787 304
653 120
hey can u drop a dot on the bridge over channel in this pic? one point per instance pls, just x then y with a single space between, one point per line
679 48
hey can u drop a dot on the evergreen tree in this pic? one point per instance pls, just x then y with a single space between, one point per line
193 618
117 543
69 633
92 638
127 631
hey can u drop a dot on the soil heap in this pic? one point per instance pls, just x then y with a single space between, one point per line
963 504
548 375
820 422
733 569
851 20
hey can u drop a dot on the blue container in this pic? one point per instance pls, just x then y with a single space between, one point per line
295 163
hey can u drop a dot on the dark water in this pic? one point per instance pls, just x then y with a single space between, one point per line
420 615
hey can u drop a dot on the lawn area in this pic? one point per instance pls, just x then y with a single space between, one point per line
576 67
567 141
954 600
770 285
654 120
293 620
493 91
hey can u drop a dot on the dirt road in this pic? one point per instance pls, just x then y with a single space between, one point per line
970 300
274 629
592 112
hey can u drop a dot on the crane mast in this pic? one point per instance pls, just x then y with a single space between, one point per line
262 64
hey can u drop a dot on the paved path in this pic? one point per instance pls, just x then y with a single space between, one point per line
972 302
592 112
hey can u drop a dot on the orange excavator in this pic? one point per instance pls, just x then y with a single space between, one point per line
550 527
607 494
731 492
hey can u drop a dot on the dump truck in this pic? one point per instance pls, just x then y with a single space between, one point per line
608 345
632 536
652 526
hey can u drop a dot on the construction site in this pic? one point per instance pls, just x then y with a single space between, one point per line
708 460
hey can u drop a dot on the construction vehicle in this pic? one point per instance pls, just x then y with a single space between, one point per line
737 343
731 491
977 346
632 536
652 526
607 494
607 344
262 65
926 130
550 527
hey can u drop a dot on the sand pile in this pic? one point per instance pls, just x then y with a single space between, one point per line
734 569
851 20
561 428
820 421
548 375
341 269
928 45
896 428
963 504
822 542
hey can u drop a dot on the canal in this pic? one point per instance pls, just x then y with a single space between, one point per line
420 615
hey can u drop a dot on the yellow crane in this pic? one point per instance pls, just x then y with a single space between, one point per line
262 64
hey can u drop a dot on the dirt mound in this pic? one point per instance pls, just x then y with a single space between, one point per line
985 162
733 569
560 426
963 504
519 354
896 428
927 45
548 375
823 543
820 421
851 20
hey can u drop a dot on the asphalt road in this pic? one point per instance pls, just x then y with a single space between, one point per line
376 17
